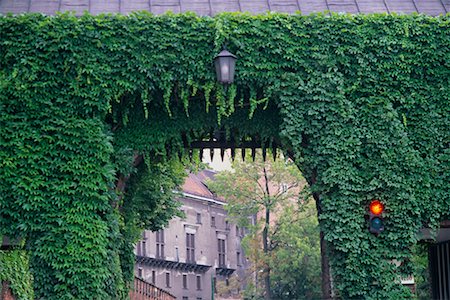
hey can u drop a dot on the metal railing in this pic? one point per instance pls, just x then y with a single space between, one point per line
143 290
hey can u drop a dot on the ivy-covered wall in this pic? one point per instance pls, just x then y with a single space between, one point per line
14 268
362 102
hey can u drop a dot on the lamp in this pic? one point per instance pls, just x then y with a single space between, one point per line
225 63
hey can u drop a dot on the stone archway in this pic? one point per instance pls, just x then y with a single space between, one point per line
361 103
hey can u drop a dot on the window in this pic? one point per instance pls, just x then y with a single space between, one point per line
144 246
190 247
199 218
185 298
154 277
199 282
139 249
221 250
227 225
185 283
199 298
237 230
167 279
284 187
140 272
160 244
213 221
238 258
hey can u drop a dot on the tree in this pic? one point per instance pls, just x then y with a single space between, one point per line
296 262
265 198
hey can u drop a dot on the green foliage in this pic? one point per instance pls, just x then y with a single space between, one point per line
14 269
361 101
421 271
150 199
296 261
246 192
160 134
344 120
55 160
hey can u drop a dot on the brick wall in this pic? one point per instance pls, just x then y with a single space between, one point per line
6 293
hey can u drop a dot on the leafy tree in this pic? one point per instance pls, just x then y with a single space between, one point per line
283 240
296 262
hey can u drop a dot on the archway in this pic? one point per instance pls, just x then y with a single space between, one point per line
362 102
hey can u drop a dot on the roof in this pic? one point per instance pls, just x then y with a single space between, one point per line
195 184
212 7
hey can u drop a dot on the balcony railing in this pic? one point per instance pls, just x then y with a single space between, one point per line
143 290
175 265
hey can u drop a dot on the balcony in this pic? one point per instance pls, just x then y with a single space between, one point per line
174 265
222 271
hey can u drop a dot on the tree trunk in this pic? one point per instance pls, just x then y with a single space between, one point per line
267 289
327 292
325 264
268 292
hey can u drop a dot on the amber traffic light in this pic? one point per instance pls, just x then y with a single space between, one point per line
376 209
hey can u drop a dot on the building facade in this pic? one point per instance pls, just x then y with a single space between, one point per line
198 256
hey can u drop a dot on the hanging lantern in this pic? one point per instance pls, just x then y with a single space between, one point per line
225 63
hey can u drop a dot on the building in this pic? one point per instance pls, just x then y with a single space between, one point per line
194 257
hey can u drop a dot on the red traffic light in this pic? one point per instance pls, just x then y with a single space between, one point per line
376 207
376 224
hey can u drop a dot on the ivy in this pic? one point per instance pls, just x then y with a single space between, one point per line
14 268
361 101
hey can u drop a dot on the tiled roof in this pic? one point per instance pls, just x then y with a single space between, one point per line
212 7
195 184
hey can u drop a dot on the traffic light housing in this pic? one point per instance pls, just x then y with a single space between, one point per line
376 223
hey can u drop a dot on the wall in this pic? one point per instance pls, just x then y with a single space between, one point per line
6 293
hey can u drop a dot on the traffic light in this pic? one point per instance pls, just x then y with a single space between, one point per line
376 209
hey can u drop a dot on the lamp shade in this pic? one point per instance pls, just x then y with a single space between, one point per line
225 63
